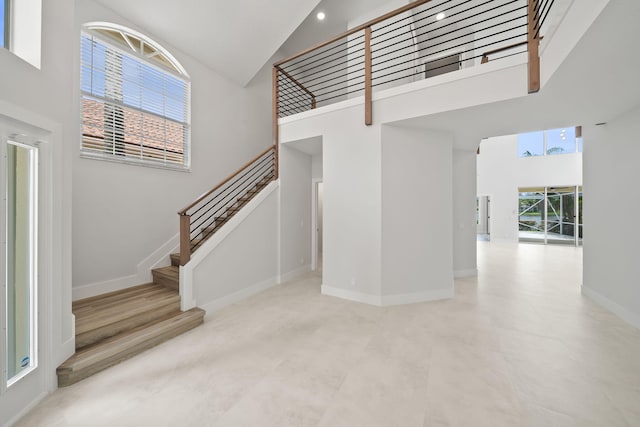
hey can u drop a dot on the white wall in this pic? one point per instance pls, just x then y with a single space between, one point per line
123 213
40 97
464 213
26 30
351 218
352 234
295 212
245 262
417 215
501 172
500 153
316 166
611 206
354 161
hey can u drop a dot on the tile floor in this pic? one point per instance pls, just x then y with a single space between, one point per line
517 346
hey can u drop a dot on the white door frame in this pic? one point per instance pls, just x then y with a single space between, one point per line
314 222
55 321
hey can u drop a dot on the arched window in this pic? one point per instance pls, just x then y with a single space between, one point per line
135 99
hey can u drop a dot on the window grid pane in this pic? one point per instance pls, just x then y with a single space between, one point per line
131 109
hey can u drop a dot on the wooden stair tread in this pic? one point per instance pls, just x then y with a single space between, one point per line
117 348
171 272
114 296
167 276
150 293
175 259
118 311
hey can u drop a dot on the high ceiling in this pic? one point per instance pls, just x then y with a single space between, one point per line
338 15
237 38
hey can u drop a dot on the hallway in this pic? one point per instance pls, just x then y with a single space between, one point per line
517 346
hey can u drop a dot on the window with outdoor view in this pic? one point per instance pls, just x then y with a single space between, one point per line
4 23
135 100
549 142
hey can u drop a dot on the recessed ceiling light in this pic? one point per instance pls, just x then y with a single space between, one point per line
320 16
440 16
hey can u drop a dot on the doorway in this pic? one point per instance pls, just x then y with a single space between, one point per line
317 225
483 217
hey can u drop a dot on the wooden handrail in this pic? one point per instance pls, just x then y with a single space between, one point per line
500 49
486 54
355 30
226 180
300 85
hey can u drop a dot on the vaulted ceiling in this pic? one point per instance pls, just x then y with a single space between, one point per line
233 37
236 38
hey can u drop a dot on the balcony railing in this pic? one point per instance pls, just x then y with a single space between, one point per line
421 40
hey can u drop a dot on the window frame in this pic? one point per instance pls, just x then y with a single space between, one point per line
33 269
101 33
7 25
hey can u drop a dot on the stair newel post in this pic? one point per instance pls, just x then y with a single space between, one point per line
533 45
368 111
185 238
276 113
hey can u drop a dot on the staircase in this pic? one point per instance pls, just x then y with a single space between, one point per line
227 214
116 326
205 216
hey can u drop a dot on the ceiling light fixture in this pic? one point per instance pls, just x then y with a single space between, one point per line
440 16
320 16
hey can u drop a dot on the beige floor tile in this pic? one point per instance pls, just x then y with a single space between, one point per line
517 346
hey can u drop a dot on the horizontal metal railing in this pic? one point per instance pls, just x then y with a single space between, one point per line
202 218
422 39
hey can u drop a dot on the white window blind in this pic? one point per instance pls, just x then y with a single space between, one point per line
132 109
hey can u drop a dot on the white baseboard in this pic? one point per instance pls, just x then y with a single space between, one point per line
295 273
222 302
159 258
412 298
387 300
93 289
351 295
461 274
614 307
66 349
25 410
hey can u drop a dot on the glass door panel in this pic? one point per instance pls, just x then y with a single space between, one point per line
561 215
20 260
531 215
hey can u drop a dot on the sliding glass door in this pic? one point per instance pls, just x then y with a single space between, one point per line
550 215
